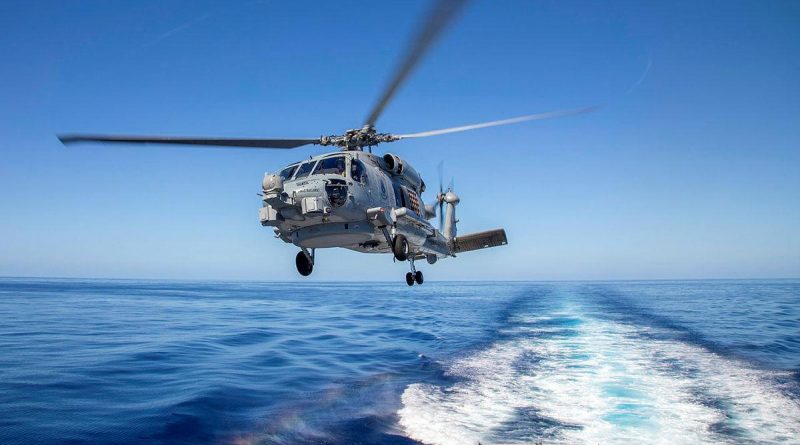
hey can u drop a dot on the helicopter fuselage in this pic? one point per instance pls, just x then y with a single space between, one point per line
352 199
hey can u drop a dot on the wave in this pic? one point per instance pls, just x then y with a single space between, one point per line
569 377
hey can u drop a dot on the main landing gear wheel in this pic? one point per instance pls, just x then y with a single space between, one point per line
415 276
304 264
400 247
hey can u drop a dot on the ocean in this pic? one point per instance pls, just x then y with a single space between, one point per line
182 362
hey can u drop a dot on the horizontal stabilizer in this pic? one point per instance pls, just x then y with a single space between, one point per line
480 240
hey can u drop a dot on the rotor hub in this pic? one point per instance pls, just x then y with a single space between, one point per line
358 138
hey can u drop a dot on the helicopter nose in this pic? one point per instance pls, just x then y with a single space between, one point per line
272 183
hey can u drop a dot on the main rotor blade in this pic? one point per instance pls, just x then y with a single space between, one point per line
513 120
218 142
441 14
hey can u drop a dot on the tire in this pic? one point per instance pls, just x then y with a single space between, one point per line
400 247
409 278
304 265
418 277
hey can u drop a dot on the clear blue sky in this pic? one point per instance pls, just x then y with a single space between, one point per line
695 172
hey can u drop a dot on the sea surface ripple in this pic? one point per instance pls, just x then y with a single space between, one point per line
181 362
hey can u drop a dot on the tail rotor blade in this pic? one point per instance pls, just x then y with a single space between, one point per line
440 196
441 212
440 170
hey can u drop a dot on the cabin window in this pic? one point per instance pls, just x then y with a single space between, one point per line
304 170
287 172
331 166
358 171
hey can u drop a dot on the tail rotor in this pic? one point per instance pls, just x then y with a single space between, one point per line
447 219
440 196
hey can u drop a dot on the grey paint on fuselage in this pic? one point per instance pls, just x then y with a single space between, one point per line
303 211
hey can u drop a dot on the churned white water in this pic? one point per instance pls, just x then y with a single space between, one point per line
131 362
569 377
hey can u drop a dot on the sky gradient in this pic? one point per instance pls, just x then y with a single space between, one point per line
690 168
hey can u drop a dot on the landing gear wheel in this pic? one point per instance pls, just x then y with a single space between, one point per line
410 278
400 247
418 277
304 265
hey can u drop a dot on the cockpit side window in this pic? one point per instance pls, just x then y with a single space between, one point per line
304 169
287 172
358 171
333 165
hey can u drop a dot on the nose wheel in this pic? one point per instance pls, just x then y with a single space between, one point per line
305 262
415 276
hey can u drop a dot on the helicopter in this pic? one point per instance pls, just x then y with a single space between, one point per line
352 198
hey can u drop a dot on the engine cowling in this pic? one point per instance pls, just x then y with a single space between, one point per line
393 164
397 167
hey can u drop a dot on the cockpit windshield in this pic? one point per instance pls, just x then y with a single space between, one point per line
304 170
287 172
334 165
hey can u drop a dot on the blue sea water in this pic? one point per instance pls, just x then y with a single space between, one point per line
162 362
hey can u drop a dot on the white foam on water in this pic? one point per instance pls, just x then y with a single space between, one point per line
600 382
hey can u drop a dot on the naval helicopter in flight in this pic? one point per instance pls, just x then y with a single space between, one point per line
352 198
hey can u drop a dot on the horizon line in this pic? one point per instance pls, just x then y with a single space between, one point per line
305 281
